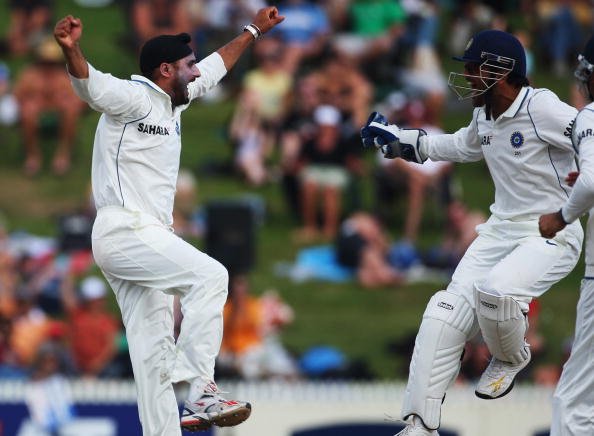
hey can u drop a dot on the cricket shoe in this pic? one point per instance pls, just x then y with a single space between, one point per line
416 428
211 409
498 379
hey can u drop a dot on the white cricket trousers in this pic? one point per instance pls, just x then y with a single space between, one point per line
508 259
146 264
573 401
511 258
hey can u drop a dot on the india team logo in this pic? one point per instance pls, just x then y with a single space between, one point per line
516 139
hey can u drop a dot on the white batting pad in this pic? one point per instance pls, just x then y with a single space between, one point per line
503 325
447 324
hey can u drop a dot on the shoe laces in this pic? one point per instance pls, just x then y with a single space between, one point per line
211 389
408 425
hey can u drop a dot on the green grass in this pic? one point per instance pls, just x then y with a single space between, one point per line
358 321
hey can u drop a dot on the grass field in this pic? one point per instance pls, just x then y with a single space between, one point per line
357 321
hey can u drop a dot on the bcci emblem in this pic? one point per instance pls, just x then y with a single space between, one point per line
177 128
516 139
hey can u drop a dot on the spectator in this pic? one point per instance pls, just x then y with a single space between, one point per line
462 224
422 22
424 79
230 15
341 83
48 396
251 343
260 111
151 18
41 87
325 160
94 330
8 274
298 126
30 329
377 26
470 17
9 111
304 32
363 245
187 220
396 175
9 363
30 21
222 19
561 33
474 361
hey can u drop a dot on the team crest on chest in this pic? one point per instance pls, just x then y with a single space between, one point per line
516 139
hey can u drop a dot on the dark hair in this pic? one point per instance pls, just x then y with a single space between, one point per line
516 80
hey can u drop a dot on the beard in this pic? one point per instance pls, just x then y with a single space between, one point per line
181 94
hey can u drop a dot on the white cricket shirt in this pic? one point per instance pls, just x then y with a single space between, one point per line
138 138
528 151
582 197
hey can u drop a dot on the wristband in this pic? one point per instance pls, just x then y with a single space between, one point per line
253 29
562 217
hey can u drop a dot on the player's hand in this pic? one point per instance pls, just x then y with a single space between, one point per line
550 224
267 18
370 139
572 177
68 32
392 140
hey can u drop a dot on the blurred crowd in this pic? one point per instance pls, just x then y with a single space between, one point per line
300 99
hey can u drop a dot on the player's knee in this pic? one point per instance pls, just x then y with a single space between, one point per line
452 309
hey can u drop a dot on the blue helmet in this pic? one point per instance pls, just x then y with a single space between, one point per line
498 44
497 53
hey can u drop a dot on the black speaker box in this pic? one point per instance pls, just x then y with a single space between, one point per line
231 235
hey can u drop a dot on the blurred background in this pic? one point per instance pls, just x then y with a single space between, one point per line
333 251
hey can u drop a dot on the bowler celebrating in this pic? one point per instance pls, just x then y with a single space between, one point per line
135 165
523 134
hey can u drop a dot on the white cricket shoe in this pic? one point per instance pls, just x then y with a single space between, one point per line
498 378
211 409
416 428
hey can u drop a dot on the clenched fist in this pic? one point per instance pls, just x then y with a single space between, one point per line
68 32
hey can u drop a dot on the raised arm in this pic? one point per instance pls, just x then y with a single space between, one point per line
214 67
266 19
118 98
67 33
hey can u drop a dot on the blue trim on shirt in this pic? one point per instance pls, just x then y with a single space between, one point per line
119 146
523 100
145 83
588 278
548 146
532 121
555 169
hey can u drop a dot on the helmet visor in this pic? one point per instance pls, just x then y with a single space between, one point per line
492 69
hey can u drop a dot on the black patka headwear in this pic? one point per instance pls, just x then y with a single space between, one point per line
163 48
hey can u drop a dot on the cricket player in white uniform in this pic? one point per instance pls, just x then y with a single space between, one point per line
523 134
573 402
135 165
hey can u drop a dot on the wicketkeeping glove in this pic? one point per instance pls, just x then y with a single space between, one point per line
392 140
